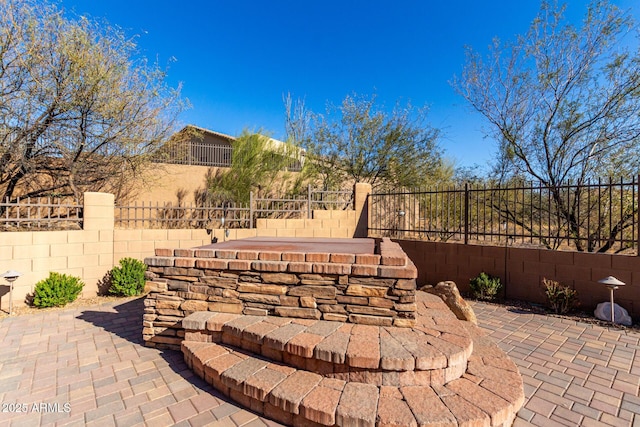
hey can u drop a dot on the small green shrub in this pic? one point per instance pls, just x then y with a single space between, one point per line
561 299
56 290
485 287
128 279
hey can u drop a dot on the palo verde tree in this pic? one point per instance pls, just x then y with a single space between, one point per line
563 104
359 141
79 109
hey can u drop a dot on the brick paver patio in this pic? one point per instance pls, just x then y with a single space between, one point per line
574 374
93 359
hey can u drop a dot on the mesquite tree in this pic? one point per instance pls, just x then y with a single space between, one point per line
79 109
563 104
361 141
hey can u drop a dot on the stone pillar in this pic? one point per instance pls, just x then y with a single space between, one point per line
97 240
361 204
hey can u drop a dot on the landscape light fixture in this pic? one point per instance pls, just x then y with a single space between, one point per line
11 276
612 283
223 221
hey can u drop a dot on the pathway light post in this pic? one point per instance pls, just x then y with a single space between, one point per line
11 276
401 214
612 284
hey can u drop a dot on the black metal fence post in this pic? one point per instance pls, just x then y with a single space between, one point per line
251 209
466 213
309 201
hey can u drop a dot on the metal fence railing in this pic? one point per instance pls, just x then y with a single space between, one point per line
186 216
40 213
597 216
206 154
168 215
195 153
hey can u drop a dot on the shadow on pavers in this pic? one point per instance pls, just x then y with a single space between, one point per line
126 323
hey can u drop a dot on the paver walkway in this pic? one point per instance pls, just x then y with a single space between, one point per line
93 359
574 374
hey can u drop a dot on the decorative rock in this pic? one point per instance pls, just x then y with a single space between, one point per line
168 304
155 287
224 307
220 282
314 291
366 291
603 312
308 302
449 293
370 320
194 305
283 278
303 313
252 311
332 308
260 298
335 317
262 289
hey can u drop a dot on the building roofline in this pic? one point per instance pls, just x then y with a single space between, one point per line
210 132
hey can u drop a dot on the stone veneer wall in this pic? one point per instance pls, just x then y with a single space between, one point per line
372 289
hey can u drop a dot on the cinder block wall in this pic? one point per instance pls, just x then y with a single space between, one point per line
91 252
86 253
523 270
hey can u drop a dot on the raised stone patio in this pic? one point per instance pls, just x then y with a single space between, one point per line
327 338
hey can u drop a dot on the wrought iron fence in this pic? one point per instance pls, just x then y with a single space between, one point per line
597 216
40 213
187 216
195 153
206 154
168 215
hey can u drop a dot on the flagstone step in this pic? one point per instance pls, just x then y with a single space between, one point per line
434 352
488 393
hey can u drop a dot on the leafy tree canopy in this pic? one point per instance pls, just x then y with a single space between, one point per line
563 102
79 109
358 141
260 165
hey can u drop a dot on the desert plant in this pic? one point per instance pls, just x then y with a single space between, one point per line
485 287
128 279
56 290
561 298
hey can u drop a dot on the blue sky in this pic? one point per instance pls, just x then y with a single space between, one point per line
237 58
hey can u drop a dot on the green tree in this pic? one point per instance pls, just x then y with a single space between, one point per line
361 142
563 103
261 165
79 109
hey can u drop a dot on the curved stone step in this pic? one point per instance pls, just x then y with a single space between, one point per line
434 352
489 393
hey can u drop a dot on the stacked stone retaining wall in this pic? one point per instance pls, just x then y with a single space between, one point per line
372 289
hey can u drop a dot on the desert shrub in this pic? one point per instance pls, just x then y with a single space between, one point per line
128 279
561 298
485 287
56 290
